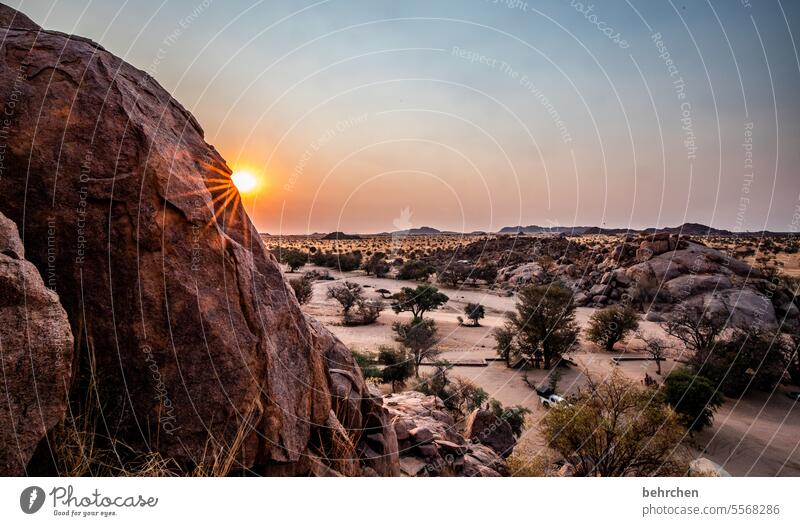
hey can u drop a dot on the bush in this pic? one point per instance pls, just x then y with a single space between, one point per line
514 415
302 288
366 312
294 259
475 312
366 362
617 428
415 270
610 325
693 397
349 295
747 359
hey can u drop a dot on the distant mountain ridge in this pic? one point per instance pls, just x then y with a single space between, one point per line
688 229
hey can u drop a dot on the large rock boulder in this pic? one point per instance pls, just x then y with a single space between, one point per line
35 355
187 330
695 273
484 427
429 443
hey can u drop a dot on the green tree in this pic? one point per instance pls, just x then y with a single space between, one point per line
419 337
753 358
348 294
475 312
610 325
453 274
415 270
294 259
397 366
418 301
616 428
543 325
376 264
693 397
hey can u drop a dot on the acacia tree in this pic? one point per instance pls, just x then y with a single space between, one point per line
453 274
695 326
294 259
475 312
504 338
610 325
376 264
418 301
348 294
657 349
543 326
419 337
397 366
616 428
753 358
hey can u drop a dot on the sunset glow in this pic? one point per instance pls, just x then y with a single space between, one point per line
244 181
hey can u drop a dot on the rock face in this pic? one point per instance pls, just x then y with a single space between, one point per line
199 348
483 427
429 444
35 355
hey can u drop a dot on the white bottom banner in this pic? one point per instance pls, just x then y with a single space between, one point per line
400 501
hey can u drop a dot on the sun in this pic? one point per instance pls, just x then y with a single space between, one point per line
245 181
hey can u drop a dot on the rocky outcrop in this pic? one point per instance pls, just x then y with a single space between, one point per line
184 323
484 427
429 443
35 355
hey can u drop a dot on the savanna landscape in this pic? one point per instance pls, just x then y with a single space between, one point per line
203 272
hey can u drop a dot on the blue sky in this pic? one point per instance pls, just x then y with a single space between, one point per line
479 114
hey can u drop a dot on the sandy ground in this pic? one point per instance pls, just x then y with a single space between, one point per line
758 435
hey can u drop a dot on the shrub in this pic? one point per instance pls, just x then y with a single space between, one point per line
415 270
617 428
294 259
302 288
366 312
514 415
366 362
693 397
755 358
348 294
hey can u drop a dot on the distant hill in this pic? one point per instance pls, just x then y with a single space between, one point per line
690 229
536 229
340 236
421 231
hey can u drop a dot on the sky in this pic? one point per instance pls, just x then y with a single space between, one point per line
371 116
